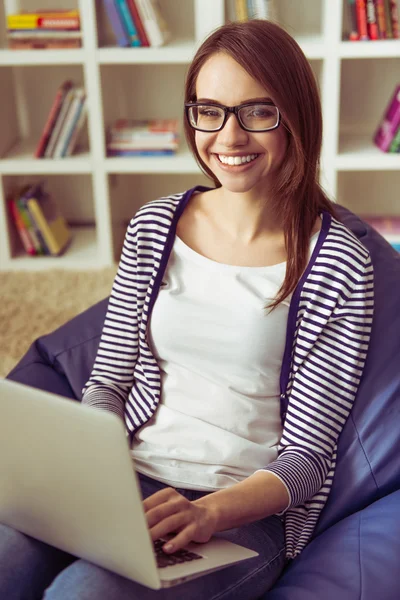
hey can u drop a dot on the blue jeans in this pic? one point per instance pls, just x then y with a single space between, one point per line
32 570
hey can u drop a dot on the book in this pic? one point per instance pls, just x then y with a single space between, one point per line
41 44
52 117
372 25
395 144
362 26
394 17
114 153
154 24
69 121
380 18
51 223
128 23
121 35
21 228
49 152
138 22
390 122
353 35
44 20
15 34
241 10
26 218
23 202
72 140
388 20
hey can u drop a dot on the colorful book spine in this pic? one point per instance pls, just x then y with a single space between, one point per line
21 228
121 35
153 22
44 21
70 119
128 23
353 35
49 153
362 25
55 245
390 123
380 18
138 22
52 118
395 145
241 10
394 16
388 20
25 216
76 129
372 25
49 44
114 153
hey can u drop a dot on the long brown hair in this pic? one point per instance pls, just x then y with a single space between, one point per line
272 57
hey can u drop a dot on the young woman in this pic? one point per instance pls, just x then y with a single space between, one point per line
237 329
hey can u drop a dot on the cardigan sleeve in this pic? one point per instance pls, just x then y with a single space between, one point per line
326 374
112 374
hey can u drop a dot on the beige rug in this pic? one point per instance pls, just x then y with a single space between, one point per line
35 303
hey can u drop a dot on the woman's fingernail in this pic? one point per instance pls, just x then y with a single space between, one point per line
168 547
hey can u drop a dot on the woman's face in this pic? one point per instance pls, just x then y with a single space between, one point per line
222 80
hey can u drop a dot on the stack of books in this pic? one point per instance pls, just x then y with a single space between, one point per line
243 10
388 227
44 29
387 136
137 22
157 137
373 20
42 229
64 123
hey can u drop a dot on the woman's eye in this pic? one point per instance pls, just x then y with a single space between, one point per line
260 113
208 112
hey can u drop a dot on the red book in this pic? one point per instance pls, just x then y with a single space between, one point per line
394 16
372 24
380 18
22 230
361 8
144 40
52 118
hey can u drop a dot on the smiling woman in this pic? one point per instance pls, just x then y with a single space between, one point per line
236 332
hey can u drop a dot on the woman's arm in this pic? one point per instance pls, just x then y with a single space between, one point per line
112 373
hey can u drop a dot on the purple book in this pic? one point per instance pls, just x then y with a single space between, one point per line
113 15
390 123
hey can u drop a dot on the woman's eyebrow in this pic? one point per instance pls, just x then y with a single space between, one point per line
211 101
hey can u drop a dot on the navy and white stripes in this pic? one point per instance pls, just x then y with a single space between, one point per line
328 333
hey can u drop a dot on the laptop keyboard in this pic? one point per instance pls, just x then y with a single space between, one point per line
176 558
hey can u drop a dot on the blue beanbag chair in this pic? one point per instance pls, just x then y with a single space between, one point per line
355 550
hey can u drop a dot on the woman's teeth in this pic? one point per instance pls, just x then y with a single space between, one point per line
236 160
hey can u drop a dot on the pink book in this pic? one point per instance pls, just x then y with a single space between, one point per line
390 123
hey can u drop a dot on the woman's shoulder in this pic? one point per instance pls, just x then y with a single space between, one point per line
343 243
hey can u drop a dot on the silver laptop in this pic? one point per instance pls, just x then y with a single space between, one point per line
67 478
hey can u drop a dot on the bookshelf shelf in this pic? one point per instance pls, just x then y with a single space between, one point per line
358 153
20 160
74 56
356 80
180 52
375 49
81 254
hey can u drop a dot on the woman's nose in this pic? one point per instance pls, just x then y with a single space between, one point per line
232 134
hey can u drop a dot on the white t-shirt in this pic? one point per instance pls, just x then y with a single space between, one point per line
220 356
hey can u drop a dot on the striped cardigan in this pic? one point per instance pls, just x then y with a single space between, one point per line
328 330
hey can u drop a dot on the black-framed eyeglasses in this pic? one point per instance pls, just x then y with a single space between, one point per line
252 116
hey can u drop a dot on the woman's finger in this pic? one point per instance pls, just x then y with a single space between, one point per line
171 524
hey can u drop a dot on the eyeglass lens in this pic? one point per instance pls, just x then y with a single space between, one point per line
254 117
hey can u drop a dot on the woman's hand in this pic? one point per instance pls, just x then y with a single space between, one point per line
167 512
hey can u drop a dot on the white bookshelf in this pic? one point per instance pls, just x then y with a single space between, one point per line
98 195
